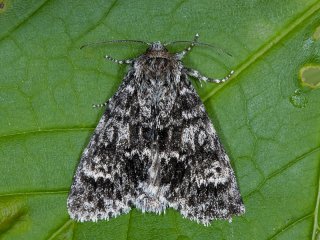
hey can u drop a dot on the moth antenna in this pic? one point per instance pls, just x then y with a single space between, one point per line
195 42
113 41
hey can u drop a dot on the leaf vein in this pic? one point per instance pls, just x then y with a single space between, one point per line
282 169
104 16
34 193
60 229
290 225
53 130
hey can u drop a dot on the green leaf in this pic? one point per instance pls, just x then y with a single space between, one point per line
268 122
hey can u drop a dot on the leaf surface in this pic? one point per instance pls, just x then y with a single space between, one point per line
268 123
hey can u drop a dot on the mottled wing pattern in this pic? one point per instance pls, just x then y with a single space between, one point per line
154 148
112 165
195 170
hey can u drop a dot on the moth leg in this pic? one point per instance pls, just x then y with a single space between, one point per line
100 104
180 55
194 73
125 61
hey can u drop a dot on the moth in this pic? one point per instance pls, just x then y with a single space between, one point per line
155 147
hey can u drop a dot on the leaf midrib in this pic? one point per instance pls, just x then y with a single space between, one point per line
316 226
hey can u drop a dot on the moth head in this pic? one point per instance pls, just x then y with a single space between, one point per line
156 46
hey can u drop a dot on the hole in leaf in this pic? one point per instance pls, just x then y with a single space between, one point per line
316 34
310 76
